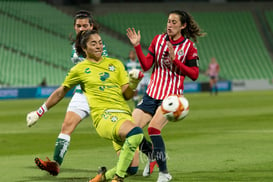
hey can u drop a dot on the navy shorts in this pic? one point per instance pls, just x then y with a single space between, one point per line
148 104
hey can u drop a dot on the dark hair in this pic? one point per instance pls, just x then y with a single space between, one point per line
81 41
192 29
82 14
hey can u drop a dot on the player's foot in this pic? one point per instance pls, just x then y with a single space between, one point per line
117 179
100 177
50 166
164 177
149 168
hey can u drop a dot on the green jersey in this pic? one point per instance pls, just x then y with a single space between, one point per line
75 58
101 82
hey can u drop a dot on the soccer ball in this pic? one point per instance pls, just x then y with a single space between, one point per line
175 107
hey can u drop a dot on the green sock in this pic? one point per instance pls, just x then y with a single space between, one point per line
128 149
61 147
110 173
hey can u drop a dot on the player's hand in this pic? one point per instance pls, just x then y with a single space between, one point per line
33 116
133 36
171 50
135 76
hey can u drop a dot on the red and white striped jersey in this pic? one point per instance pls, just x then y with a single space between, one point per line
166 77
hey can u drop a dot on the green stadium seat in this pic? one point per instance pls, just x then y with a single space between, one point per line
18 70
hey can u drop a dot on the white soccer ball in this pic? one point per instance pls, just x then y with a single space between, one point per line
175 107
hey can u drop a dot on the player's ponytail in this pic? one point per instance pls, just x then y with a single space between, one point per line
192 29
79 47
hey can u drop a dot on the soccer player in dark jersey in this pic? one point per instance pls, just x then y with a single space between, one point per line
173 56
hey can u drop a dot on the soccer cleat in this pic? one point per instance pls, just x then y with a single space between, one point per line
50 166
164 177
117 179
100 177
149 168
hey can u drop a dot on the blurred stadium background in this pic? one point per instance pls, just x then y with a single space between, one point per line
34 42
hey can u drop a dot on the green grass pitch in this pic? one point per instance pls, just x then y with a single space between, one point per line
228 137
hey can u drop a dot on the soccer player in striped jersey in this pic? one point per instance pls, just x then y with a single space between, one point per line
78 108
173 56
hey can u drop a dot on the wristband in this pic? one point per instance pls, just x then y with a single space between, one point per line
42 110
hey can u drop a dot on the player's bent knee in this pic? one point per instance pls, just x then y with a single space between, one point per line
135 136
134 131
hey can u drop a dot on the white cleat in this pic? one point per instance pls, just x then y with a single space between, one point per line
164 177
149 168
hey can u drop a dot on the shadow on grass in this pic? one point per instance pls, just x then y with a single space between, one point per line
47 177
55 179
84 175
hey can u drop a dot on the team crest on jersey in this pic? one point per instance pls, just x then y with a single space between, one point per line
180 52
111 67
114 118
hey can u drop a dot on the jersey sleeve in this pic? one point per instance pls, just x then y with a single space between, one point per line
151 48
72 78
190 68
192 54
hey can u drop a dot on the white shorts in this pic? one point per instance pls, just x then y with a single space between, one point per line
79 105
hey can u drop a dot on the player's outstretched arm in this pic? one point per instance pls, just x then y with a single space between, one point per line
52 100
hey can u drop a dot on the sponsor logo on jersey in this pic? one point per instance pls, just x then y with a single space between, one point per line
104 76
87 70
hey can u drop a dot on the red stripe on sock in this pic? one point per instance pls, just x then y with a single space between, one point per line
153 131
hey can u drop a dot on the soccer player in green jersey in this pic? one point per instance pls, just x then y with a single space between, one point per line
105 81
78 108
